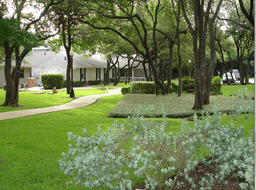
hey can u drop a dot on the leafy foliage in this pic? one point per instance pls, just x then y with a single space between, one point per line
125 90
149 87
216 85
187 83
143 149
94 82
75 83
52 80
10 31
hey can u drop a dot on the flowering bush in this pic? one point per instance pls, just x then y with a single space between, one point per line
142 148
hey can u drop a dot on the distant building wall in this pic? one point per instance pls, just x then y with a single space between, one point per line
76 74
90 74
27 73
2 78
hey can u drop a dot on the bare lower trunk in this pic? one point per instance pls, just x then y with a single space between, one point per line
212 64
11 77
169 68
106 77
68 80
241 71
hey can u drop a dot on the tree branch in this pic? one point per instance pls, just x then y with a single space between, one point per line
117 32
43 13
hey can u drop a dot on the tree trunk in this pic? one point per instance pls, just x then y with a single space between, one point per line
241 68
212 64
7 72
68 75
231 65
169 67
12 76
106 80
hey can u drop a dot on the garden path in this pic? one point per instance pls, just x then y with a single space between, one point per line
77 103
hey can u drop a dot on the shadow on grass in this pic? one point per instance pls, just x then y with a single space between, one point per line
174 106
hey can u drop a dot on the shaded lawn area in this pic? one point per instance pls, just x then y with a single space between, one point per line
29 100
31 146
174 106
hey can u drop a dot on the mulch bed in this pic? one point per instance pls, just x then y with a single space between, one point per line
201 171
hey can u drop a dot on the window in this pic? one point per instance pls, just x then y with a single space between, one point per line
98 74
82 74
22 73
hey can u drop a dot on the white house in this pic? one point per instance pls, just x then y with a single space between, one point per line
43 60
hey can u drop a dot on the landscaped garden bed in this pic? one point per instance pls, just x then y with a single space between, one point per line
35 143
174 106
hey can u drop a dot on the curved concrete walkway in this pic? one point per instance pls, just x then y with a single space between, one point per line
77 103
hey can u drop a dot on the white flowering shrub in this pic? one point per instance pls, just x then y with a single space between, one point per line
142 148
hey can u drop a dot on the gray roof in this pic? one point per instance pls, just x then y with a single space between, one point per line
45 58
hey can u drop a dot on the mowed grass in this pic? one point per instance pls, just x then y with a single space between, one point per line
230 89
29 100
31 146
112 86
175 106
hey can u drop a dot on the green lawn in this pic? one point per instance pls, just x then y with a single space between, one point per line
177 106
230 89
31 146
29 100
111 85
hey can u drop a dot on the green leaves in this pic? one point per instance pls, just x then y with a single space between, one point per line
10 31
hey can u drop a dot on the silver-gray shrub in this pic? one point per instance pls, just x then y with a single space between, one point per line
142 147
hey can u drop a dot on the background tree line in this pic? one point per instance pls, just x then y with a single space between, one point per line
195 36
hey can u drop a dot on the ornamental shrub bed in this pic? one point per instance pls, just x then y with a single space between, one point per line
216 85
175 107
125 90
143 150
75 83
187 83
94 82
149 87
52 80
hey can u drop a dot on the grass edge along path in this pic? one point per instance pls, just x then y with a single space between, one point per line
31 146
29 100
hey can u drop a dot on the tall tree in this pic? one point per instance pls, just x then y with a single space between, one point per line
242 37
201 18
249 14
64 18
140 16
17 38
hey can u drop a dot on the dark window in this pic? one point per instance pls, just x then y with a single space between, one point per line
21 72
98 77
82 74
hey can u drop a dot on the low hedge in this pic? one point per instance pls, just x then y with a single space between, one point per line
50 81
187 83
94 82
75 83
125 90
149 87
216 85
